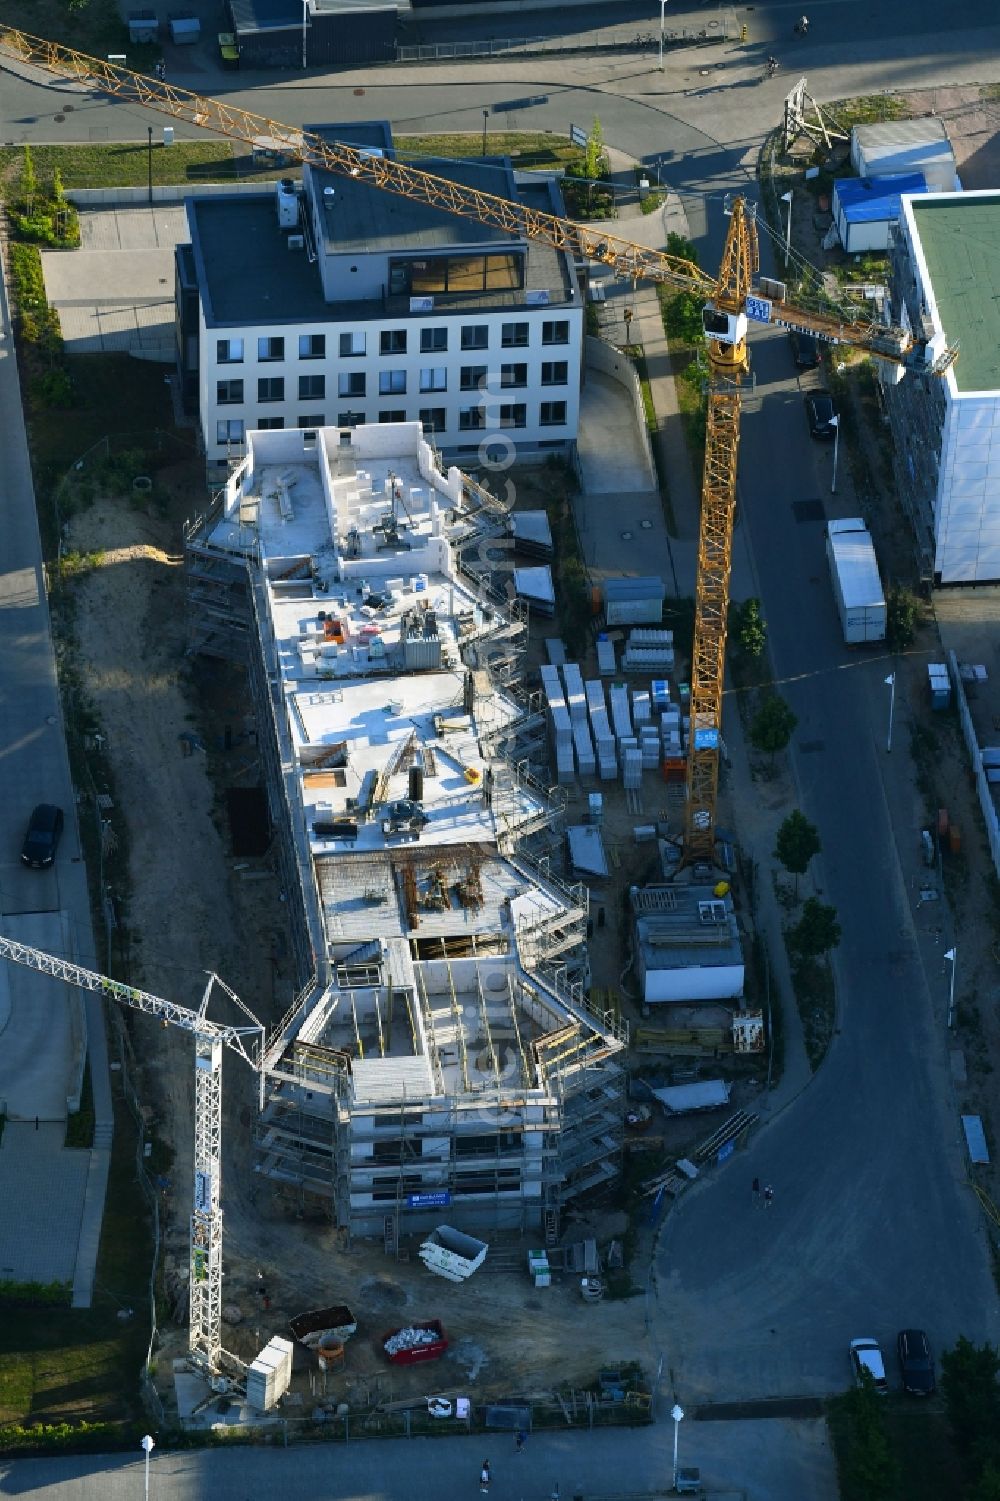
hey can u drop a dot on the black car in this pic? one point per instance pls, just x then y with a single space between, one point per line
821 412
42 839
916 1362
805 350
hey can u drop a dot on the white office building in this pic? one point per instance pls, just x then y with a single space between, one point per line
333 303
945 266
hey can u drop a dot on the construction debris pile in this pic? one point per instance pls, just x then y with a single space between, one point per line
413 1337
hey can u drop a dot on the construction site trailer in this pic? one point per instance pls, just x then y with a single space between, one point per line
857 587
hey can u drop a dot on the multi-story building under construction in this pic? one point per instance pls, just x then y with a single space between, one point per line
441 1051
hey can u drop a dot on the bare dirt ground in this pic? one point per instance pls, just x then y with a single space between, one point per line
190 910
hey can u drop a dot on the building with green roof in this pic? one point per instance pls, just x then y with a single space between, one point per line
946 288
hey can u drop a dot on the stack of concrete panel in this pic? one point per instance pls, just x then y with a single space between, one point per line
632 768
649 745
621 716
586 764
576 700
659 692
641 711
560 723
269 1376
649 651
605 657
604 740
670 731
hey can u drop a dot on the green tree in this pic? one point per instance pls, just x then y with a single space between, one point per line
772 725
817 930
902 616
751 630
969 1380
679 246
869 1468
796 843
595 158
987 1486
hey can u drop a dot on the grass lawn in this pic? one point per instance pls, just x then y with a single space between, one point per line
97 28
114 394
533 150
66 1365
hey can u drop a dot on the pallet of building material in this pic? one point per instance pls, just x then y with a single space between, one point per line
647 659
575 697
683 1041
632 768
621 714
641 709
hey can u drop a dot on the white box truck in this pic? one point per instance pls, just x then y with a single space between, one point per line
856 583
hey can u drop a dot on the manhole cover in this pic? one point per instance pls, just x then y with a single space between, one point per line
625 536
59 119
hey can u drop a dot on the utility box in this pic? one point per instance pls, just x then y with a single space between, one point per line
857 587
143 27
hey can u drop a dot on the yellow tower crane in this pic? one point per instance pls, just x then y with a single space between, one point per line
731 304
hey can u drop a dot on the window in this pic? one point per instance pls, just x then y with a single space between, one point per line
553 413
229 431
393 414
271 388
513 375
269 424
514 415
312 387
392 383
471 417
556 331
433 419
351 344
351 383
476 336
270 349
229 351
459 274
472 377
350 419
433 340
393 341
228 392
513 335
311 419
554 372
312 346
434 379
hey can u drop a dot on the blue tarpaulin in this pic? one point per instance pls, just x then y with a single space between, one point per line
868 200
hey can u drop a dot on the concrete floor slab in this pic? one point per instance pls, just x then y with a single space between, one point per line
45 1183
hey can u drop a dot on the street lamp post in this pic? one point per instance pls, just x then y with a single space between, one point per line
148 1444
486 116
787 198
835 424
676 1412
951 956
663 6
305 14
890 683
149 159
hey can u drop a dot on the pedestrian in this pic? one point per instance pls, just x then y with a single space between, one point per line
484 1477
755 1190
768 1197
521 1440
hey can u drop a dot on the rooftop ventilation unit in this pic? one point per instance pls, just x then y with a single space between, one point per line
287 203
711 912
329 194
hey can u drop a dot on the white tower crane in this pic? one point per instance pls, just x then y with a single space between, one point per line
205 1265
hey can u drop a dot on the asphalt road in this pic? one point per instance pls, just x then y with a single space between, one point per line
873 1227
753 1461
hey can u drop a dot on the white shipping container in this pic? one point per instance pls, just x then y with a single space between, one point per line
857 586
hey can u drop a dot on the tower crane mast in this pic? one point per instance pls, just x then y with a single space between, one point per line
729 304
205 1251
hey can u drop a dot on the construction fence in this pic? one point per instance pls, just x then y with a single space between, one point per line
718 29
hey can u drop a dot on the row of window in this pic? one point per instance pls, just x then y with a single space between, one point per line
434 419
393 341
390 382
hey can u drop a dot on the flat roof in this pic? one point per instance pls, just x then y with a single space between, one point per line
870 200
959 239
685 927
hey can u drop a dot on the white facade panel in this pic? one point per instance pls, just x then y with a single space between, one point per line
412 382
968 498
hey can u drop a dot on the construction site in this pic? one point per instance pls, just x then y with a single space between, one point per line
442 1050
